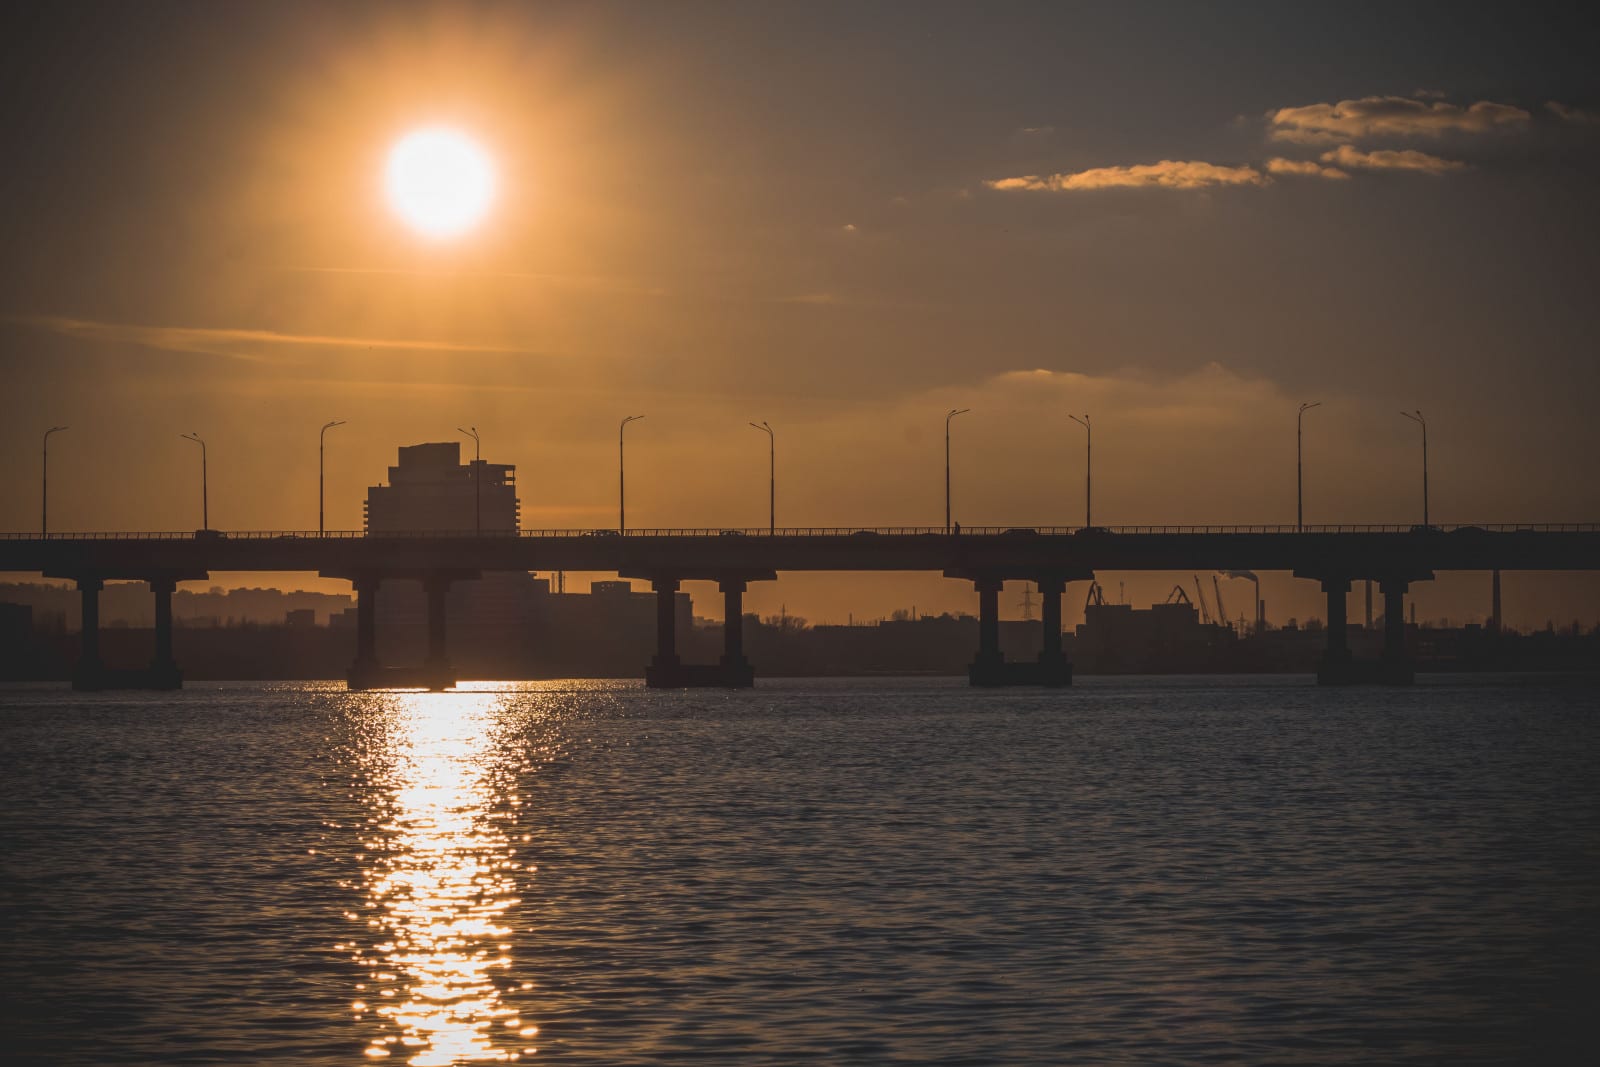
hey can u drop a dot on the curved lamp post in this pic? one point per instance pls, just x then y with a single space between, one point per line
1299 482
322 439
772 476
44 485
622 485
205 507
952 413
1416 417
1088 470
477 479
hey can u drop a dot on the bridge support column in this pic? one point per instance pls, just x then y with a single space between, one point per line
665 671
1494 602
736 670
436 668
1395 667
89 673
1054 670
1337 667
164 673
366 672
989 668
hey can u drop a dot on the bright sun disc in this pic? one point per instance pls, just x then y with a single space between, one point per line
439 181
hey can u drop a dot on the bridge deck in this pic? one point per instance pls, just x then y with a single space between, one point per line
1346 551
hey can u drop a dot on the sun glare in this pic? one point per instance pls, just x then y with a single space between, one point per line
439 181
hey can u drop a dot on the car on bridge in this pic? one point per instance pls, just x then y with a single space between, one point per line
209 535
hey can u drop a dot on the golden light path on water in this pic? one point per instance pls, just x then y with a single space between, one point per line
438 871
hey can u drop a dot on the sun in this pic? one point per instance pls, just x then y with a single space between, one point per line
439 181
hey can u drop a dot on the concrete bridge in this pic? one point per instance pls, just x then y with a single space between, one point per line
1334 556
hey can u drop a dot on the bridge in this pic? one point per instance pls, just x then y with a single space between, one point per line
1334 556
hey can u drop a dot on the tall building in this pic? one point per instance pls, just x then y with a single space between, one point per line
506 623
431 491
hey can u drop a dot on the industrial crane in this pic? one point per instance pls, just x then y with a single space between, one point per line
1095 597
1178 596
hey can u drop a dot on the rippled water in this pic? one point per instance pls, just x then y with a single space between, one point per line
1130 871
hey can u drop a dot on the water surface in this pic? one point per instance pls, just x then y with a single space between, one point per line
1130 871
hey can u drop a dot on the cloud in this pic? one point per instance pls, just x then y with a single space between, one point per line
1390 159
1305 168
1167 174
1390 116
231 343
1571 114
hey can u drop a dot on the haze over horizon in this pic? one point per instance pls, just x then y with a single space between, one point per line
843 220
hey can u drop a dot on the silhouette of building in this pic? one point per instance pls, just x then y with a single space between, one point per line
1119 638
431 491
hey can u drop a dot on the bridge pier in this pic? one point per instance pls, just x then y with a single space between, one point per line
366 672
1337 666
1395 668
1054 668
990 669
435 673
736 670
164 672
989 666
436 668
88 674
733 670
664 671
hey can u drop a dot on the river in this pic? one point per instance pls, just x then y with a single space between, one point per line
1134 870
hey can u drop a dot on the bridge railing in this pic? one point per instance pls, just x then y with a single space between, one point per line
812 531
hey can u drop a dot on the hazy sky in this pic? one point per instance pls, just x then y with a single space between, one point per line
842 218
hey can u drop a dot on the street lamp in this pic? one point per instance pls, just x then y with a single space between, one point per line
322 439
952 413
622 486
1088 471
772 476
1299 482
477 480
1416 417
205 507
44 486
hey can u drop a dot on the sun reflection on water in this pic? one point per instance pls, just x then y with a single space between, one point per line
439 875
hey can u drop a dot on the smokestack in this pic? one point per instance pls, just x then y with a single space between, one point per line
1256 584
1369 604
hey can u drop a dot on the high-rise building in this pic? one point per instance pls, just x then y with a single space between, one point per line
504 620
431 491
